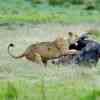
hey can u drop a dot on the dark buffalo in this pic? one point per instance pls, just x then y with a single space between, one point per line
90 54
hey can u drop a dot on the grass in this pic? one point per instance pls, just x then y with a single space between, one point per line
25 90
53 18
21 80
25 11
45 14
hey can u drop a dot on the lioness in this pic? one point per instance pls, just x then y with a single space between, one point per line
43 51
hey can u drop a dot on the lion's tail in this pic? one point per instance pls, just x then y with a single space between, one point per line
9 52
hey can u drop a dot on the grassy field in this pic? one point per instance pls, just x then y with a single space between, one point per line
23 80
12 12
26 90
24 22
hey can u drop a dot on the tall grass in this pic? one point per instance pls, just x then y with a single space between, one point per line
41 90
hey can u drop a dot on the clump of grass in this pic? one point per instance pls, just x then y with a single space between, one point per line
90 5
94 94
11 92
37 1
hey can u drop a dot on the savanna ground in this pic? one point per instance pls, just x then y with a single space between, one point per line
24 22
23 80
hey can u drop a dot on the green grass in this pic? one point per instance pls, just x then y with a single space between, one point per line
53 18
26 11
45 13
65 90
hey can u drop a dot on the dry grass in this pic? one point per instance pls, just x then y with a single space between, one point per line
28 81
